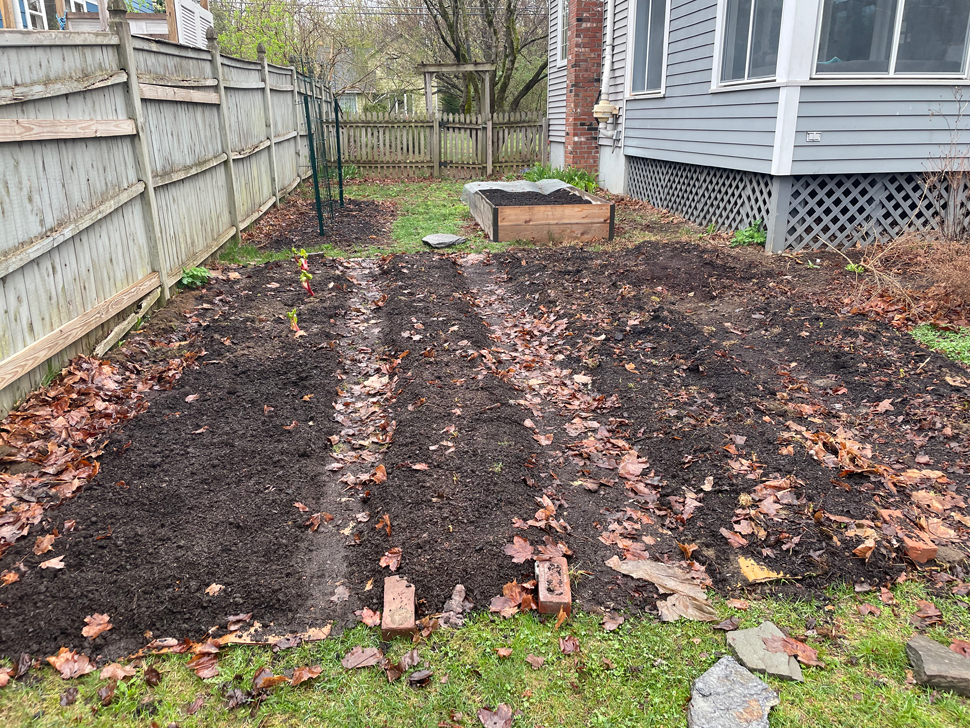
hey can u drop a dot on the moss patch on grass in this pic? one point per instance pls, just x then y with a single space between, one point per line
639 675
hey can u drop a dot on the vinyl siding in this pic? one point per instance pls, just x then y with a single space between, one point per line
873 128
734 129
618 72
556 90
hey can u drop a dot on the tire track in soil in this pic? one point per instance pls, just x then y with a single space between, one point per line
590 469
452 514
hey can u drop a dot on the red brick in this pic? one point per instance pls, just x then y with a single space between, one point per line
554 592
398 619
584 41
917 546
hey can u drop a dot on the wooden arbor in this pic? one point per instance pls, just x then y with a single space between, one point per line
485 71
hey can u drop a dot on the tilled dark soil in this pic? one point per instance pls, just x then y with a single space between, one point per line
357 225
501 198
514 384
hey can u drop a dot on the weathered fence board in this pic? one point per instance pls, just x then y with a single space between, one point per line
80 213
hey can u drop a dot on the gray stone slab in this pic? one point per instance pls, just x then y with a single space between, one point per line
442 240
749 647
728 696
937 666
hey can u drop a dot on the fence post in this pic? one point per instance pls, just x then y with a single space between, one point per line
126 52
296 118
231 199
489 132
544 141
436 146
268 114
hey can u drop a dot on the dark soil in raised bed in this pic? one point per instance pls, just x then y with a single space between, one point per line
712 357
501 198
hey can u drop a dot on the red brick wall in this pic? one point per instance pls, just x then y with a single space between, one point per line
584 64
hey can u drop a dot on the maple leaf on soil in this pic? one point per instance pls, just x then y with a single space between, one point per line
70 664
543 439
379 475
236 621
535 661
734 539
799 650
96 624
302 674
205 665
300 507
369 617
392 559
520 550
361 657
9 577
385 523
57 563
44 544
214 589
340 594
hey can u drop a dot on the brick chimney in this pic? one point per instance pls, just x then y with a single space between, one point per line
584 64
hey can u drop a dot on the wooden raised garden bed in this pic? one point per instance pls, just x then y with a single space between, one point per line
587 221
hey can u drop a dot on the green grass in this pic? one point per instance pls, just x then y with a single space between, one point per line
648 684
954 344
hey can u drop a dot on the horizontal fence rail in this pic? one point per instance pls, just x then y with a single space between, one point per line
125 160
459 146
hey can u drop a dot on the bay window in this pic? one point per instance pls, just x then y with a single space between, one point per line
751 31
649 30
893 37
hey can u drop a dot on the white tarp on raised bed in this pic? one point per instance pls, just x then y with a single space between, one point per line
544 186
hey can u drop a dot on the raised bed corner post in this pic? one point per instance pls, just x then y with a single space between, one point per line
224 136
340 161
268 115
126 55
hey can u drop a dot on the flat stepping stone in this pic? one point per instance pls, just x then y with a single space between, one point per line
728 696
937 666
442 240
749 647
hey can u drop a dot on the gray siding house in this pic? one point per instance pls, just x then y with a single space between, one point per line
820 118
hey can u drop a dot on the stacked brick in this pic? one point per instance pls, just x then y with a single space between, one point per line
584 63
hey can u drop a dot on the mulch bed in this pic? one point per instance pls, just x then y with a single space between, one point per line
502 198
674 400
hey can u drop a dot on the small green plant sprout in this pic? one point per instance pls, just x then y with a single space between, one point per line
294 326
754 234
305 276
194 277
855 268
711 229
578 178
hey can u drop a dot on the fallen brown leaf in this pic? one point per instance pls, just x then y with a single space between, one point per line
300 507
117 672
370 617
236 621
739 604
264 679
734 539
536 662
728 625
504 652
96 624
70 664
928 613
152 676
361 657
961 647
9 577
106 693
302 674
520 549
500 718
392 559
44 544
214 589
379 475
612 621
194 707
867 609
57 563
68 697
205 665
568 645
799 650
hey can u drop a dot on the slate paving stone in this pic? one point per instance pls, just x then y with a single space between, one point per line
749 647
442 240
728 696
937 666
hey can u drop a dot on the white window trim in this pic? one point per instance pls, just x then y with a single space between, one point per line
19 16
890 77
720 26
562 55
631 21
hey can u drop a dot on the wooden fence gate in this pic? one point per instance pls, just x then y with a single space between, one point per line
458 146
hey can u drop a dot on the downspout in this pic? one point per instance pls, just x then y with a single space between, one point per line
604 111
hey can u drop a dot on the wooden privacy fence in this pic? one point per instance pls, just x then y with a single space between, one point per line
460 146
123 160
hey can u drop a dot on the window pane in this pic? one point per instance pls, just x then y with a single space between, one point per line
856 36
563 28
655 57
736 28
933 38
764 38
640 38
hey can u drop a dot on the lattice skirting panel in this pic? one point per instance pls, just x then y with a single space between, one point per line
729 198
844 210
819 210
